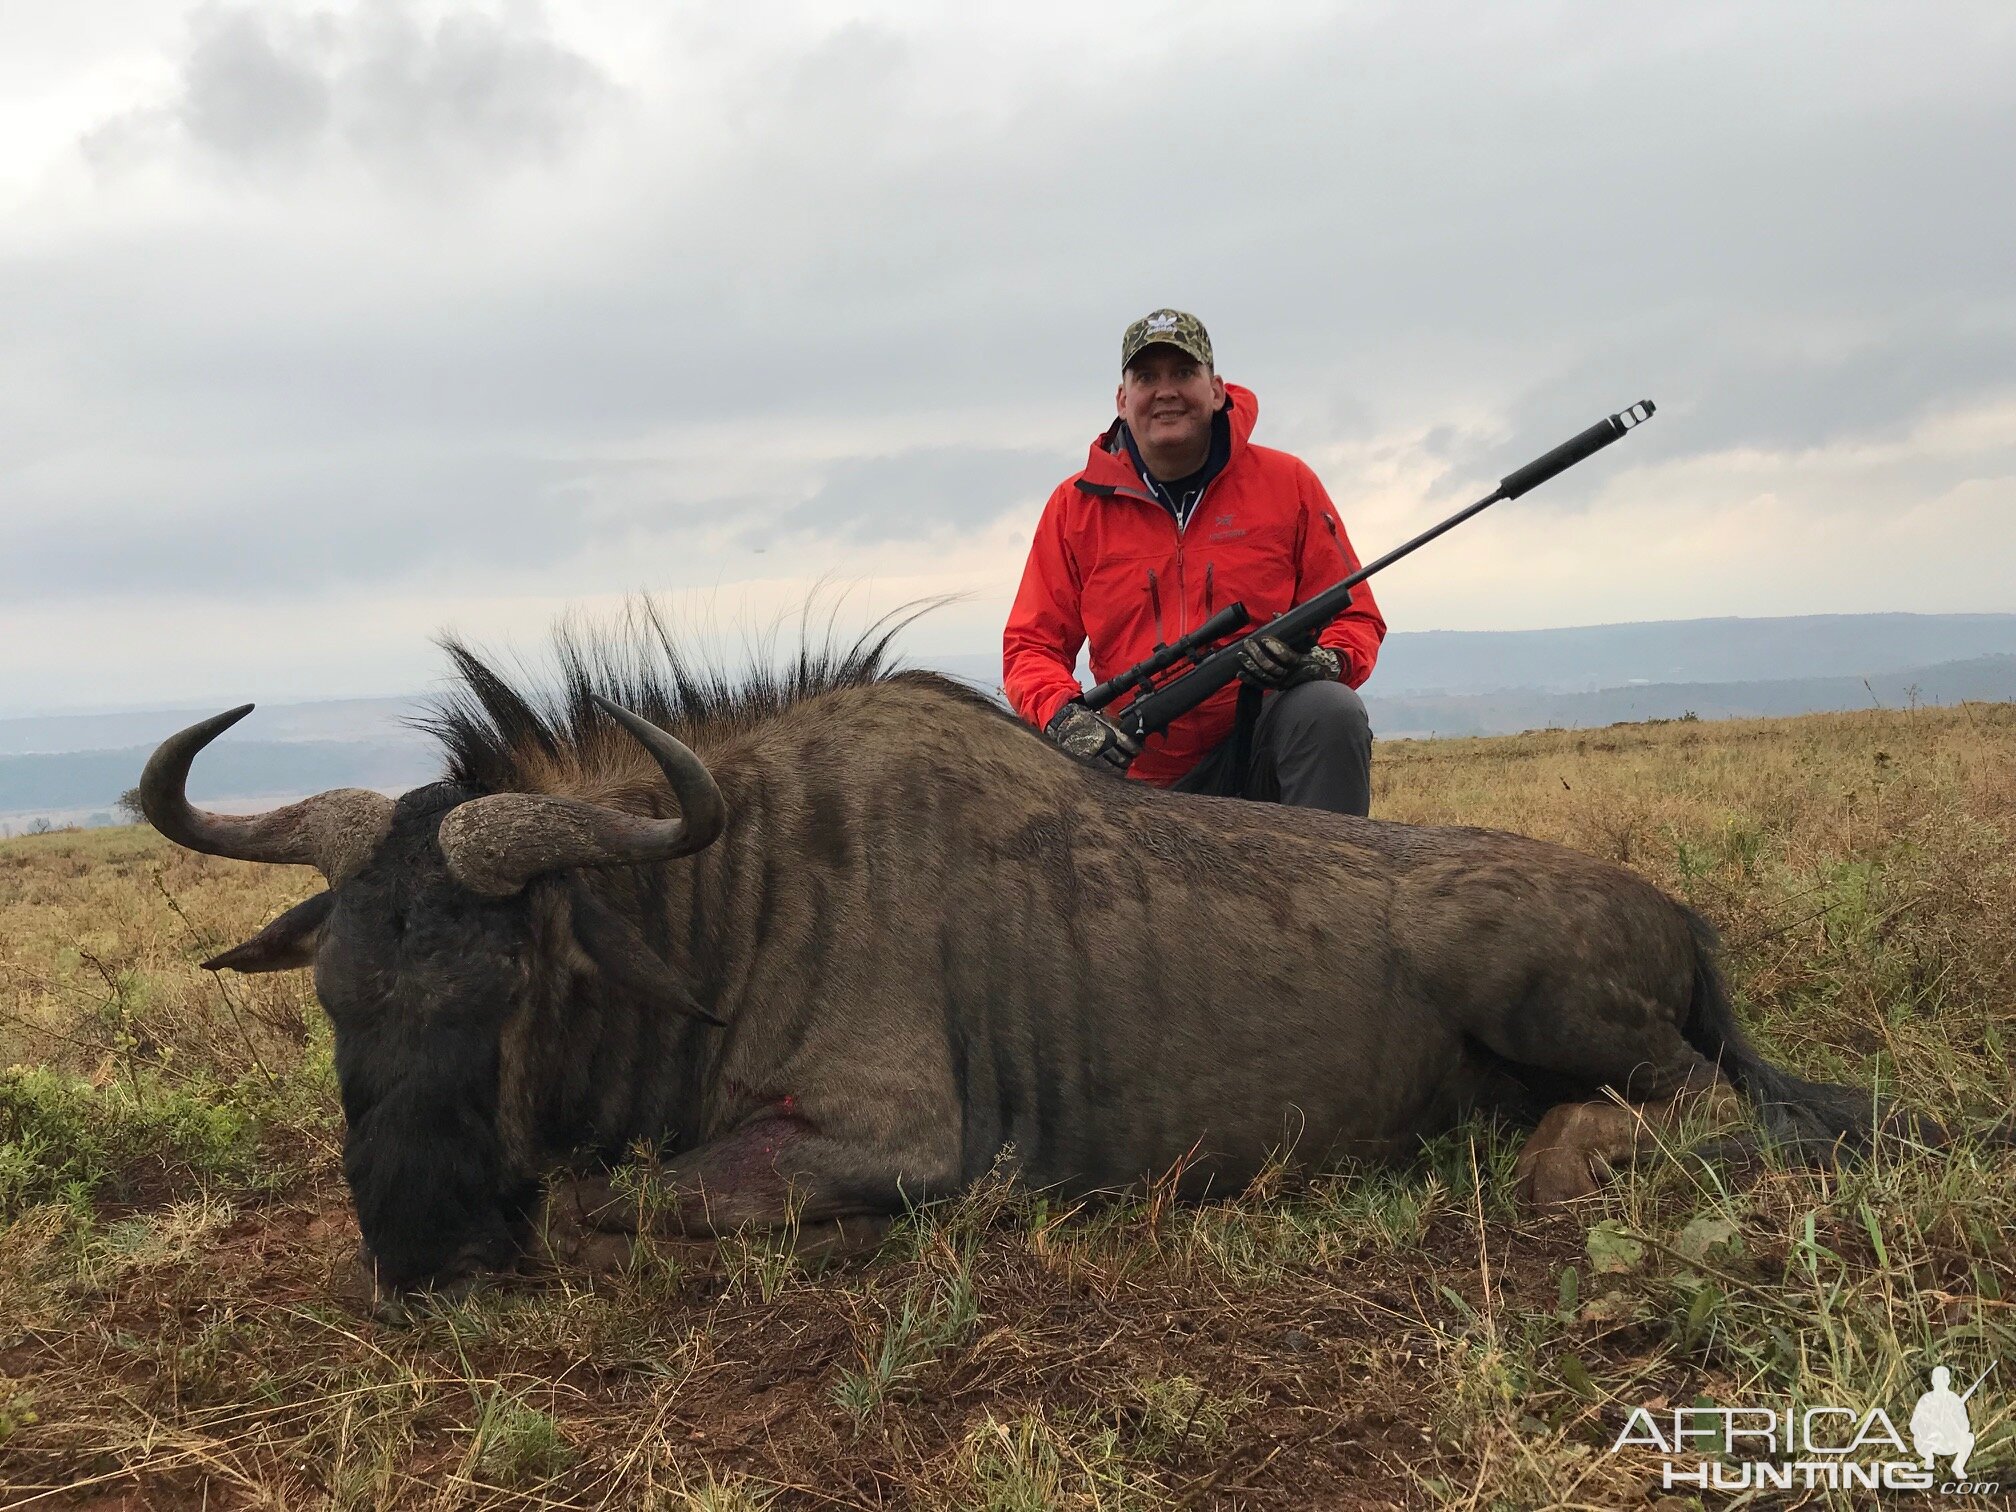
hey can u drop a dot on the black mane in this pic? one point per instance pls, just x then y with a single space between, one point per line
498 733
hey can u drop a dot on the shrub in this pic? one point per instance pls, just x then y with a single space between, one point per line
64 1140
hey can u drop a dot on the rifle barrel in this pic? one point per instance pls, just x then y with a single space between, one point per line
1531 476
1154 711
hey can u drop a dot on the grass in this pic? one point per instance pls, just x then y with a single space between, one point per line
172 1220
930 1318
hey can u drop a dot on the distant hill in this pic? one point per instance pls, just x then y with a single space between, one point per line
71 768
1589 657
374 719
74 781
1985 678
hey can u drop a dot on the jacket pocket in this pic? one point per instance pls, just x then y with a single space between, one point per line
1120 604
1257 570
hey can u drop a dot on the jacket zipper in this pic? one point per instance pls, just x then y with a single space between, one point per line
1210 571
1182 590
1182 530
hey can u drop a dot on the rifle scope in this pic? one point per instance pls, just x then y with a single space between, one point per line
1232 617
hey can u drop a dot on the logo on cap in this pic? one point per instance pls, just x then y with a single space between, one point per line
1171 327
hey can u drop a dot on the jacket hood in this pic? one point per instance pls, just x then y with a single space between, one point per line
1108 467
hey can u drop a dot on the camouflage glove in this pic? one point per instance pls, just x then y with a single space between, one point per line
1267 662
1091 737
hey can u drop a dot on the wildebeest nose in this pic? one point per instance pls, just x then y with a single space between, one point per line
369 1291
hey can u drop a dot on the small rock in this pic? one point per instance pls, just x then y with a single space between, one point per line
1297 1342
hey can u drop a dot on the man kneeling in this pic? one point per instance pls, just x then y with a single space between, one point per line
1176 515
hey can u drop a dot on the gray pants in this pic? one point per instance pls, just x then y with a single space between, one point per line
1312 748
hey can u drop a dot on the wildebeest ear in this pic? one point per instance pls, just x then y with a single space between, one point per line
287 944
613 943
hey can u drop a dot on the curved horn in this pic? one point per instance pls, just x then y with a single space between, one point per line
496 844
334 832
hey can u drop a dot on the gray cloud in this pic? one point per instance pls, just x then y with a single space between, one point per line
244 97
263 90
923 492
1780 395
847 286
1345 235
275 530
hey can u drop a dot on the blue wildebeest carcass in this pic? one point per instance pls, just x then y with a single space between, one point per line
834 939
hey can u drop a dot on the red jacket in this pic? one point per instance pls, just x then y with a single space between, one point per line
1109 565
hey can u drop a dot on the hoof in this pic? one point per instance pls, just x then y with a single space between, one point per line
1557 1176
1568 1156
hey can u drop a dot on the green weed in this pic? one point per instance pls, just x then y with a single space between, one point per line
932 1316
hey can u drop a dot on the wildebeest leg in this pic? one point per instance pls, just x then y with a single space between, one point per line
841 1238
1577 1145
568 1242
769 1174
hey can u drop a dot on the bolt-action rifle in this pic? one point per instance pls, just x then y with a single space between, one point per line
1157 705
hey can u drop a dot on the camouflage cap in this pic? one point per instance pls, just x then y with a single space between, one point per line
1184 332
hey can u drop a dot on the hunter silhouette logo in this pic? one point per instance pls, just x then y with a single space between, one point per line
1760 1448
1940 1425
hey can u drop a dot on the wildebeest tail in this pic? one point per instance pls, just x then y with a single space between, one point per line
1813 1118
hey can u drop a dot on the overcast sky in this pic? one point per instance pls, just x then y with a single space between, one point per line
323 328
